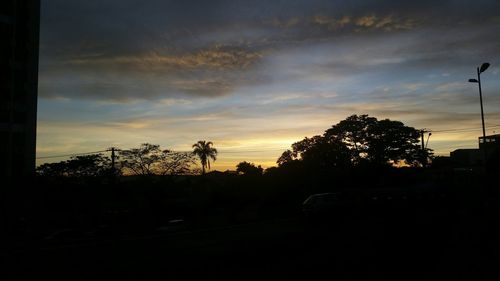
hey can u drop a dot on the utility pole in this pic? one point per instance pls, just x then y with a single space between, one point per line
422 138
424 146
424 154
113 159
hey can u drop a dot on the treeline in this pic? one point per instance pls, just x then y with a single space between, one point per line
359 154
148 159
358 142
353 142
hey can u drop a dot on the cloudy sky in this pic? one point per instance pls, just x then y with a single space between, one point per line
256 76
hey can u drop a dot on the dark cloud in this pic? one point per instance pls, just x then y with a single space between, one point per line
205 72
129 49
131 25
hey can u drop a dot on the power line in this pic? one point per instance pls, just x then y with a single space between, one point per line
251 151
69 155
237 151
460 130
463 129
220 151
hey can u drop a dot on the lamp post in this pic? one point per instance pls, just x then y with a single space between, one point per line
480 70
427 142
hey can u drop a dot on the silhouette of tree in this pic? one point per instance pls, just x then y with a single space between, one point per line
142 160
205 152
285 158
149 159
78 166
392 141
175 163
249 169
357 140
322 152
52 169
354 132
377 142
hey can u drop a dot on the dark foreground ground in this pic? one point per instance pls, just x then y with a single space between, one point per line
443 243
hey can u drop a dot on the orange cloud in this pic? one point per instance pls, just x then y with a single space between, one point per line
366 21
387 22
331 23
213 58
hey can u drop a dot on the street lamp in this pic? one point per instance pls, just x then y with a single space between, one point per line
480 70
427 142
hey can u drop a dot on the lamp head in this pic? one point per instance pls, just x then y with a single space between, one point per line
484 66
473 80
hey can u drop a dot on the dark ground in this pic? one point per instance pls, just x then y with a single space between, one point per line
421 243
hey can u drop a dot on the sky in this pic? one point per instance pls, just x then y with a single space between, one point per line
255 76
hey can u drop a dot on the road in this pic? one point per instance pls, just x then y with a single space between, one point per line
402 246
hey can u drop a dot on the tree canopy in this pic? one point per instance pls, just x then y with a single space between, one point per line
356 140
147 159
317 152
142 160
78 166
377 141
150 159
249 169
175 163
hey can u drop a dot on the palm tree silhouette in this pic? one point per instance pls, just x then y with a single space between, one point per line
205 151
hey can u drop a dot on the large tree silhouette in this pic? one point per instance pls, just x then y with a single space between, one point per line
321 152
78 166
150 159
377 141
357 140
175 163
142 160
249 169
205 152
354 132
318 152
286 157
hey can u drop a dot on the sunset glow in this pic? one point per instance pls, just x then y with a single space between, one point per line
254 77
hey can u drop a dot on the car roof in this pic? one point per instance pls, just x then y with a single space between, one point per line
329 195
326 194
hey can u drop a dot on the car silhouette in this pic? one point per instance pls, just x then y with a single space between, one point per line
322 205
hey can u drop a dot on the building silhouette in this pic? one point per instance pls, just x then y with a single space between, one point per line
467 157
474 157
490 143
19 33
